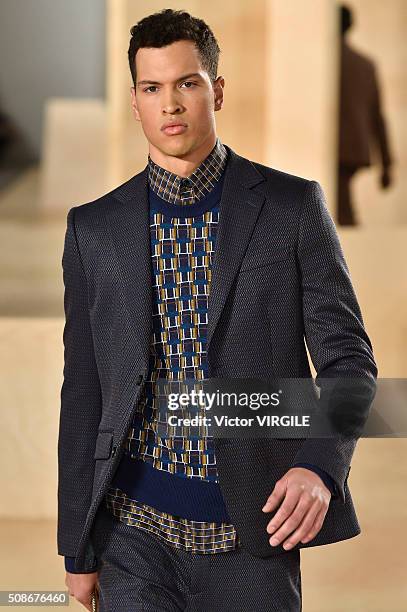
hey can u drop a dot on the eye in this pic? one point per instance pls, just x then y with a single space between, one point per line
148 89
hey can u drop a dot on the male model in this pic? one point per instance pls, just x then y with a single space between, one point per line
203 265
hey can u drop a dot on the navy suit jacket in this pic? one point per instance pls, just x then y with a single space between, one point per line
279 282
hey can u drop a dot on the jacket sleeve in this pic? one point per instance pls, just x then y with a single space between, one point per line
81 401
338 344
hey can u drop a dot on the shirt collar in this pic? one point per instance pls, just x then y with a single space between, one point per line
188 190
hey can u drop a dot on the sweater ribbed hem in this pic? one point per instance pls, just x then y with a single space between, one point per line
190 498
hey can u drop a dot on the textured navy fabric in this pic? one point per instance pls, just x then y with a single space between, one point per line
69 563
279 281
140 572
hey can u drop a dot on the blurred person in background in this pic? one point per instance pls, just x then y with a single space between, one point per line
15 155
362 127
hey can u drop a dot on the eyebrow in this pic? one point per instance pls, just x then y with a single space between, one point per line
185 76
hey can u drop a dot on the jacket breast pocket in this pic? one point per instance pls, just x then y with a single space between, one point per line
264 257
103 446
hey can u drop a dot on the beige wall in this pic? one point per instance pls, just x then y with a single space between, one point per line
279 63
301 82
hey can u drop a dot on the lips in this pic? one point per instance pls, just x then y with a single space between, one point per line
171 130
172 123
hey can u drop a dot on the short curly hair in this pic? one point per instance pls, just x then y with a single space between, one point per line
168 26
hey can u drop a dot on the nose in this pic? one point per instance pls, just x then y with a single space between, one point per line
172 109
171 104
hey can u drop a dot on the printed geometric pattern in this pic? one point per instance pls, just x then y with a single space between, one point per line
182 260
194 536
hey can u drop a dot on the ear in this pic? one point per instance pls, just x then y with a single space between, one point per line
134 104
218 86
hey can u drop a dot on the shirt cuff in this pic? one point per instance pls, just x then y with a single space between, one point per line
70 567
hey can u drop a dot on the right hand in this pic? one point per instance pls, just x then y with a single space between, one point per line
81 586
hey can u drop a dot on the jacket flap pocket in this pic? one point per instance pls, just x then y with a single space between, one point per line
263 257
103 445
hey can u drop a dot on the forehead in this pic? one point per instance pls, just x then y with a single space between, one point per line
167 63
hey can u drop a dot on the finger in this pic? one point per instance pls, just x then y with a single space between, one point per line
304 527
316 527
293 520
292 498
276 496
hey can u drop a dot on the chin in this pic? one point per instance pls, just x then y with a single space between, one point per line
177 148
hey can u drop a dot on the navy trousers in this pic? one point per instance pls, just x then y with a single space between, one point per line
140 572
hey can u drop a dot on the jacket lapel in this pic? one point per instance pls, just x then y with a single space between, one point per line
238 211
129 227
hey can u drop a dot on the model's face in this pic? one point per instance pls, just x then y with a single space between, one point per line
173 86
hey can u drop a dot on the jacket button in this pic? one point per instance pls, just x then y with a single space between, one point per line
114 449
140 379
